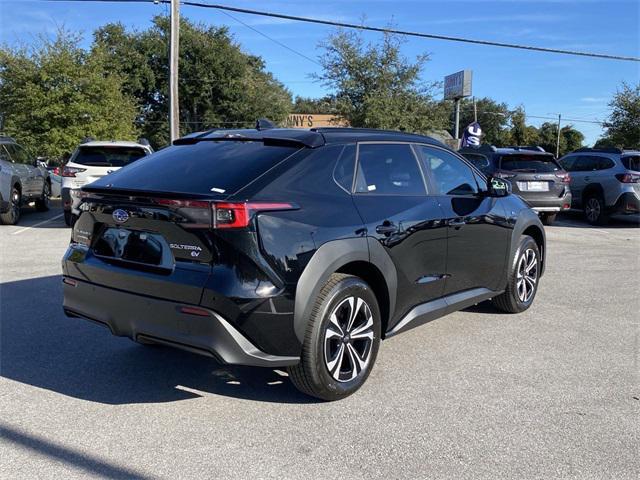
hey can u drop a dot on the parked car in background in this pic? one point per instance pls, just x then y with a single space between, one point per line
604 181
535 175
93 160
297 248
22 180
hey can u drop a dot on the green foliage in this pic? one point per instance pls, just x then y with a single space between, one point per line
623 124
375 86
325 105
56 93
219 84
493 117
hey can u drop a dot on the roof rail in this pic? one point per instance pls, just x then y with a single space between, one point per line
536 148
484 148
600 150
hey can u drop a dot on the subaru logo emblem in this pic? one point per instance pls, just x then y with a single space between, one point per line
120 216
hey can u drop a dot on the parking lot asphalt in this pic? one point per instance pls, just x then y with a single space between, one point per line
551 393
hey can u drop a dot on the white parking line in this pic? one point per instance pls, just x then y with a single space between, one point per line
37 224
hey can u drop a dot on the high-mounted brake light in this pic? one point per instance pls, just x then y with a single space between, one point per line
238 215
628 177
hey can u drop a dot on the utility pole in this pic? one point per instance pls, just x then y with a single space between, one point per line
475 110
558 139
174 106
457 129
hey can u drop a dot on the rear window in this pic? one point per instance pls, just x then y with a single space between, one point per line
108 156
206 167
631 162
529 163
481 162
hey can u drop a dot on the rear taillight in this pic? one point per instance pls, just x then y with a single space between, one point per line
56 171
238 215
564 177
628 177
71 171
219 215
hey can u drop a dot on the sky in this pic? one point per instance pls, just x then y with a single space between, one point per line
545 84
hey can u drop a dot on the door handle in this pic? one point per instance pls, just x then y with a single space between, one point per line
387 228
586 179
456 222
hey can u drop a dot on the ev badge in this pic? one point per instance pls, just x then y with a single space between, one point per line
120 216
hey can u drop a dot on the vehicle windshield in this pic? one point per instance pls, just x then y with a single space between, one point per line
206 167
631 162
115 156
529 163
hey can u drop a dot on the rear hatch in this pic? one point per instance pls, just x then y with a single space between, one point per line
99 161
533 175
152 227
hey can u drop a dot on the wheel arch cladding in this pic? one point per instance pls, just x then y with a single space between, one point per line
537 233
351 255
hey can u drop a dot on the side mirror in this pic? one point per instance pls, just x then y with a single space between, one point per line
498 187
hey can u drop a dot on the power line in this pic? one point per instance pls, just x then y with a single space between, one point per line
271 38
383 30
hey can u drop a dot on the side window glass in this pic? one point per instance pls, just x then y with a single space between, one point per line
4 155
388 169
604 163
481 162
583 164
450 174
343 171
568 163
20 155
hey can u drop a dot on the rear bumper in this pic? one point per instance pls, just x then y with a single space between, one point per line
550 204
144 318
627 203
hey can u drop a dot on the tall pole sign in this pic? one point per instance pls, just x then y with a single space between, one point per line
456 87
174 109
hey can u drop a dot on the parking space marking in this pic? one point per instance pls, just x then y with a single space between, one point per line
37 224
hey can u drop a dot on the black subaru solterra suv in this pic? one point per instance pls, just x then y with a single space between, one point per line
297 248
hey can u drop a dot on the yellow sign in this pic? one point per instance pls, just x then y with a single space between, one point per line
311 120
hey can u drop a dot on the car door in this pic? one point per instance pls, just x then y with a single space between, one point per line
391 196
20 169
36 179
478 237
581 170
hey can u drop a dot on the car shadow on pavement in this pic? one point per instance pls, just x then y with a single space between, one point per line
576 219
40 346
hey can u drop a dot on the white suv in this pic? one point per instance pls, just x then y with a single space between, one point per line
93 160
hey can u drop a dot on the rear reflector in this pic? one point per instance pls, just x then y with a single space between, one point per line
200 312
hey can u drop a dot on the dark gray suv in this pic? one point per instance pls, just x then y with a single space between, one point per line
604 182
22 180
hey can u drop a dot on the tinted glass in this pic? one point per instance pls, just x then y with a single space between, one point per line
4 155
568 163
602 163
388 169
450 174
19 154
343 172
481 162
632 162
585 163
204 168
529 163
108 156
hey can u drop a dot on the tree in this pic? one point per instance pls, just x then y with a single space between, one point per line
548 138
219 84
573 138
521 133
325 105
56 93
623 125
375 86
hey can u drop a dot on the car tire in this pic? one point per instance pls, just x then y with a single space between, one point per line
43 203
13 215
68 218
334 364
524 276
595 210
549 218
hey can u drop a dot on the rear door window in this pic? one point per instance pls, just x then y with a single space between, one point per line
108 156
526 163
205 167
450 174
603 163
631 162
388 169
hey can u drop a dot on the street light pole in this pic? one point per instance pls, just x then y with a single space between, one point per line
174 109
558 138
